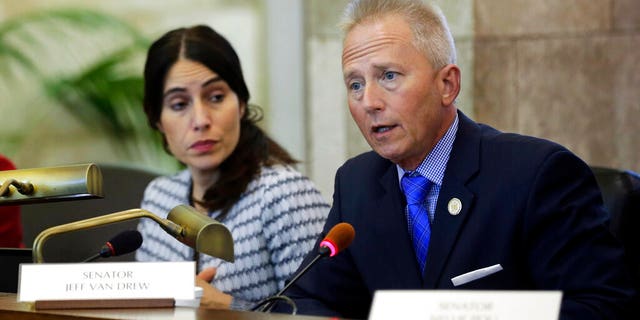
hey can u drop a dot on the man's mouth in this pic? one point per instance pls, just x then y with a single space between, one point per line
382 129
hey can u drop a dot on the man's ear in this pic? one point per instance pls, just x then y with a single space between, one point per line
449 83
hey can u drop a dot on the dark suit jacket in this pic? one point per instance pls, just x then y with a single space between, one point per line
528 204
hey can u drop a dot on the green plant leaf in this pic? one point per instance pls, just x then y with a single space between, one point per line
102 86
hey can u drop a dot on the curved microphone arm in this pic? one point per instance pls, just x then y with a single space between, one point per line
266 304
184 223
338 238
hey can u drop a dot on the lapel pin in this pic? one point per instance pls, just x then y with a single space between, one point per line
454 206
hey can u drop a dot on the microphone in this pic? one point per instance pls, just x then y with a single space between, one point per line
337 239
123 243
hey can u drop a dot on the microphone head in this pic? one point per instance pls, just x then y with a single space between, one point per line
338 239
123 243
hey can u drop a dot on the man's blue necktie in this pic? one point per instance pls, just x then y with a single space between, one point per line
415 189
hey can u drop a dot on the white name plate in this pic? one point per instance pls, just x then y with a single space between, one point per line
465 305
106 280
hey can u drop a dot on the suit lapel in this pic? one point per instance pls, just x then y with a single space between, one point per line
463 164
390 230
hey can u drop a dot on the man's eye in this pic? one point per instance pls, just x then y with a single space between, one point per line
389 75
355 86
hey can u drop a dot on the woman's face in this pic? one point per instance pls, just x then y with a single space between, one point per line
200 116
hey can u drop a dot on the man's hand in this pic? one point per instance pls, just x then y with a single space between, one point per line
211 297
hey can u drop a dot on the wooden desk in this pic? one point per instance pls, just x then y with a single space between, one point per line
11 309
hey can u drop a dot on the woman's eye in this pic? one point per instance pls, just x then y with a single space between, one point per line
178 105
389 75
217 98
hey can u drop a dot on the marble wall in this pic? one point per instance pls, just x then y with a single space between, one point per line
563 70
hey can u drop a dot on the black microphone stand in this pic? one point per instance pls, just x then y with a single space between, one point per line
105 252
267 304
93 258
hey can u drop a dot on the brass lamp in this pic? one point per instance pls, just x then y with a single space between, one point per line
50 184
184 223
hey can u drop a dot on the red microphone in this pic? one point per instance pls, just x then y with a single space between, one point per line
338 239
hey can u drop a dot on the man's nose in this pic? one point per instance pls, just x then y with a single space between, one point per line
372 98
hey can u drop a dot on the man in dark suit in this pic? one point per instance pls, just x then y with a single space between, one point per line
524 210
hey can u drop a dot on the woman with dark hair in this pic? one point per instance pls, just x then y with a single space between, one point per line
196 97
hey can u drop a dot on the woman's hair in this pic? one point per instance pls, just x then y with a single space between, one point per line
431 34
204 45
